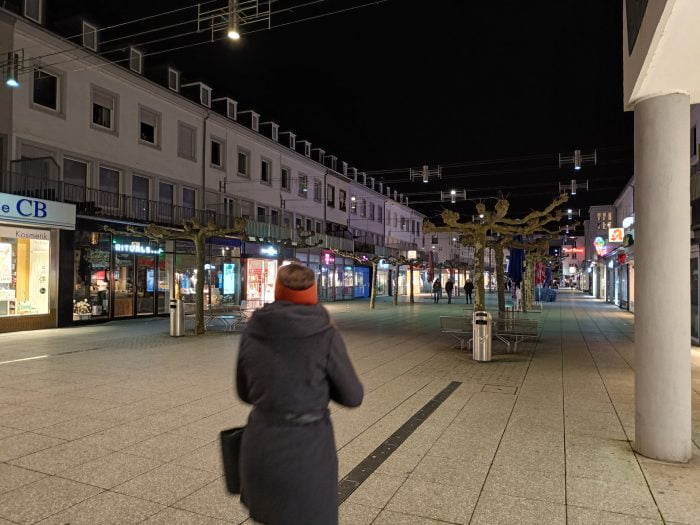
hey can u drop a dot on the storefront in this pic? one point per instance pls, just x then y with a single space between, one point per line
363 280
121 275
384 271
29 261
259 272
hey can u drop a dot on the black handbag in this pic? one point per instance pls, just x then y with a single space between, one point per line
231 453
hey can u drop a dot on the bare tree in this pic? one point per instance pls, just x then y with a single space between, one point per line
477 233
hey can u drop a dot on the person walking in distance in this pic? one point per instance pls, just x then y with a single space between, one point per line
449 286
468 289
292 362
437 290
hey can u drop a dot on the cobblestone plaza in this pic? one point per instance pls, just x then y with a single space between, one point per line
119 423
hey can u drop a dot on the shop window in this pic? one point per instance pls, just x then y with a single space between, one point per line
260 281
91 288
25 258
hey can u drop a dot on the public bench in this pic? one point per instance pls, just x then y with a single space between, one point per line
458 327
509 330
233 317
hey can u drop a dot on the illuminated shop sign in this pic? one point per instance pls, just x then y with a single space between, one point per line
616 235
570 249
627 222
270 251
599 244
136 247
328 258
18 209
229 278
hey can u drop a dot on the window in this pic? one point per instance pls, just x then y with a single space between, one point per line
25 272
303 186
275 133
342 200
330 196
255 122
379 214
75 175
32 10
186 140
216 150
318 227
149 126
231 109
104 109
109 180
229 209
189 198
205 96
353 204
246 209
363 208
274 217
317 190
173 79
287 219
309 225
265 171
285 178
403 224
243 170
135 60
45 89
299 223
434 239
166 193
262 212
89 36
140 195
371 211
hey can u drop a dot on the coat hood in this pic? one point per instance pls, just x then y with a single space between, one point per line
293 320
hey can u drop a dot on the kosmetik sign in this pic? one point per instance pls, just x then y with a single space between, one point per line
26 210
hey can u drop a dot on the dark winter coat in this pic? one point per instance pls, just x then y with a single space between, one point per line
469 287
449 285
292 361
437 286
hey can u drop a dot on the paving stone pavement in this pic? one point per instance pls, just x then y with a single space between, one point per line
118 423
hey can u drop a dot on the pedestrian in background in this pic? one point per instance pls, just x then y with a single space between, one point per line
437 291
449 286
292 362
468 289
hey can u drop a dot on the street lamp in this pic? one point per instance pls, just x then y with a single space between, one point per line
12 70
233 31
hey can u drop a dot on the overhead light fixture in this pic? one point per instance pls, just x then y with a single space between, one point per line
577 159
233 30
12 70
481 215
426 176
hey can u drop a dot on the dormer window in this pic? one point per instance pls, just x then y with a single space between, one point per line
89 36
255 122
173 79
275 133
205 96
292 140
136 60
33 10
231 109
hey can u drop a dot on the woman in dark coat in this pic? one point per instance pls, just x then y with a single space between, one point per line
292 362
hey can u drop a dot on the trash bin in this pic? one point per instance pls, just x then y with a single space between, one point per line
177 318
481 330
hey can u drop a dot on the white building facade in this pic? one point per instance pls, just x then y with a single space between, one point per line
130 149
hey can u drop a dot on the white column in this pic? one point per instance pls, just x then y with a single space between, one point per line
662 280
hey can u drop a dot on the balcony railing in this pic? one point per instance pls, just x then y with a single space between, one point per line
99 203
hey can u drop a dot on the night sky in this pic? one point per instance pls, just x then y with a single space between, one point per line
495 89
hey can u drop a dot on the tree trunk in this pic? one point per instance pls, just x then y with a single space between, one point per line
199 246
479 246
410 285
395 299
500 279
373 286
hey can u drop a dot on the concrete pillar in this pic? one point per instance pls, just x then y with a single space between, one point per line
662 280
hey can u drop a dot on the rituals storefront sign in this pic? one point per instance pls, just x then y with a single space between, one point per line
17 209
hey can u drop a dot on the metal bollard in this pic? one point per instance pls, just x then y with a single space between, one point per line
482 326
177 318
